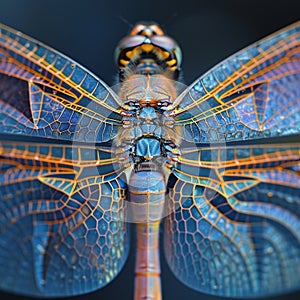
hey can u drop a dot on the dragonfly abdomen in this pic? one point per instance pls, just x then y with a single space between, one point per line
147 190
147 198
147 265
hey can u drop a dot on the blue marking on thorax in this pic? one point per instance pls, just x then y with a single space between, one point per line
148 147
148 113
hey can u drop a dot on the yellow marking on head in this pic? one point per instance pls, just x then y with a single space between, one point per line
147 47
124 62
165 54
129 54
172 62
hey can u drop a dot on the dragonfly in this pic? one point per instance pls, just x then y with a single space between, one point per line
214 165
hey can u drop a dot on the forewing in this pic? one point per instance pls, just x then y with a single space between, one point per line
253 94
44 93
235 226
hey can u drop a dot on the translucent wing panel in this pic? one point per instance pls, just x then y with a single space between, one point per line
253 94
61 222
236 230
44 93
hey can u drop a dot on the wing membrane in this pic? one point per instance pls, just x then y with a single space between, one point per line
237 230
44 93
61 226
253 94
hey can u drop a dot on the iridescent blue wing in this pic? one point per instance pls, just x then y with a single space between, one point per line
253 94
61 188
44 93
235 203
235 226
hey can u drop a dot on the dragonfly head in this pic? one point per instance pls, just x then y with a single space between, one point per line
148 50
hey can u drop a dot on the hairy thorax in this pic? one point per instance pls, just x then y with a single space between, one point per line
148 132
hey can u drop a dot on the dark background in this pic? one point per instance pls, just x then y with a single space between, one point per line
208 31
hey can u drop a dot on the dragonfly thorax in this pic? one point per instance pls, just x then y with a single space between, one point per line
148 129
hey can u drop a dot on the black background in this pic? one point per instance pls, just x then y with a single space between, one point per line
208 32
